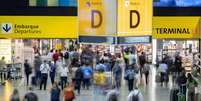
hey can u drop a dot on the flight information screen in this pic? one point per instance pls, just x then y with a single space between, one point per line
177 3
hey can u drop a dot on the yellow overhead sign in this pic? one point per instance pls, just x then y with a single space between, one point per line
134 17
176 27
38 27
97 17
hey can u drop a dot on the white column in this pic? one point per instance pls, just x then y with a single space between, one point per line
154 50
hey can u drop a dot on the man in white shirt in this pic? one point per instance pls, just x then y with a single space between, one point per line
64 75
44 69
135 93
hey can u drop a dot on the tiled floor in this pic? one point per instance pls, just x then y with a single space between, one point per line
152 92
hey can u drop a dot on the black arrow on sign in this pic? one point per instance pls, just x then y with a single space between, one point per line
7 29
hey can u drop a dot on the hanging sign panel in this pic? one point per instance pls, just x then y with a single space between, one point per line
38 27
97 17
176 27
134 17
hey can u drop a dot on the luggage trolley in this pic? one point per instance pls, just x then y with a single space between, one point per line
15 71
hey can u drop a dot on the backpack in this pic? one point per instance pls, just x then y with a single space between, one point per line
130 74
87 74
135 97
66 55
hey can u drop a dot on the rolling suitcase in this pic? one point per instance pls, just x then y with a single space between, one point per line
173 94
33 80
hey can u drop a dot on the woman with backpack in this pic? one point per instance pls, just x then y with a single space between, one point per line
55 92
130 76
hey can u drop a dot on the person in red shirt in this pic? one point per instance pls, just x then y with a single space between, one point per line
55 56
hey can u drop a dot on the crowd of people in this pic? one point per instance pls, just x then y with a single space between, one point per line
71 71
103 72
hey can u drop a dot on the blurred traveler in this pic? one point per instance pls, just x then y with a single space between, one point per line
163 71
132 57
68 94
146 72
107 66
178 63
117 73
50 55
78 78
52 72
100 81
37 63
61 55
100 65
87 74
130 76
135 95
55 56
30 96
182 80
27 71
64 76
191 84
15 96
113 95
126 58
2 66
66 57
44 68
142 61
55 92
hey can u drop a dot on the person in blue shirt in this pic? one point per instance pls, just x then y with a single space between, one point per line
87 75
100 65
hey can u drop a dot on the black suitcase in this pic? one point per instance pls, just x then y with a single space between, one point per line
173 94
33 80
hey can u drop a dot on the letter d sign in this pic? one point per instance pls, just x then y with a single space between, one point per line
131 18
93 12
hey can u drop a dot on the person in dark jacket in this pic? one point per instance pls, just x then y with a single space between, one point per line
117 73
78 78
178 63
55 92
37 63
30 95
142 61
52 71
27 70
182 80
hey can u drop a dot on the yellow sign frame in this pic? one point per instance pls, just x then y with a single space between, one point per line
38 27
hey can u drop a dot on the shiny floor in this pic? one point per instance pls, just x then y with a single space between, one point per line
151 92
